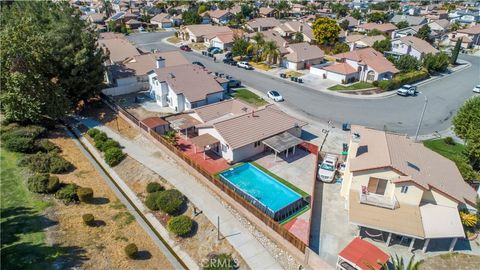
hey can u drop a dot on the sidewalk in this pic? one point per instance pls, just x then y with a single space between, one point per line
144 151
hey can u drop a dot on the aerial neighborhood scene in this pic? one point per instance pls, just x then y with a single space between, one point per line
218 134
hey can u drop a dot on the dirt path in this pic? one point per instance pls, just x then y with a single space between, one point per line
116 227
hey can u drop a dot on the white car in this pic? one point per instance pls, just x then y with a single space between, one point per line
476 89
407 90
244 64
275 96
326 170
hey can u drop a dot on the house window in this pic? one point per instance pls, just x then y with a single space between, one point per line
223 147
377 185
257 144
404 189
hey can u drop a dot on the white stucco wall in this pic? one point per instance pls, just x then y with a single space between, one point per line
399 47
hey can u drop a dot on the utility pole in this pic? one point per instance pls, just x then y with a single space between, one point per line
421 118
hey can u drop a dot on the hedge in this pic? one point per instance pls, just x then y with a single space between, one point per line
131 250
402 79
154 187
47 162
38 183
100 136
88 219
93 132
170 201
151 201
68 193
180 225
19 144
113 156
46 146
85 194
109 143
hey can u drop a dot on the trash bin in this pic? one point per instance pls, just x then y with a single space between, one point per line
345 147
346 126
292 79
300 80
295 79
216 73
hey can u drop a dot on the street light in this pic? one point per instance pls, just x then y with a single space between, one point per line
421 117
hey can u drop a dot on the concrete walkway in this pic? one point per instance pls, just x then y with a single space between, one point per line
144 151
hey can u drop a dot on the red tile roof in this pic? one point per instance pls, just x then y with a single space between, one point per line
364 254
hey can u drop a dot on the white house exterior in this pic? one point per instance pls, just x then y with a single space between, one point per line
412 46
183 87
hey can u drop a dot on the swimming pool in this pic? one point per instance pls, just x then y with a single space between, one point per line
272 197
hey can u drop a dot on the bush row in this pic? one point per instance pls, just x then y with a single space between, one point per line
113 154
21 139
50 162
401 79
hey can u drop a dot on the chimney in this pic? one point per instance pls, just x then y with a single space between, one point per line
160 62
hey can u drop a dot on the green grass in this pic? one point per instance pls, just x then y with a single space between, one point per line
283 181
355 86
22 222
449 151
249 97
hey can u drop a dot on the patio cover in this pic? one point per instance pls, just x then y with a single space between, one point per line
450 227
363 255
204 140
282 142
182 121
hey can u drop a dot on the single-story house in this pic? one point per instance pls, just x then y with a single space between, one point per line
118 48
290 28
386 28
219 16
262 24
411 20
274 36
266 12
156 124
302 56
358 65
199 32
239 130
162 20
183 87
411 45
362 41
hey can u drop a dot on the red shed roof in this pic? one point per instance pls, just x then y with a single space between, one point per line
364 255
153 122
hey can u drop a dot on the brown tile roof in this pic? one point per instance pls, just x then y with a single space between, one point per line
274 36
119 48
141 64
263 22
204 140
371 57
110 35
162 17
379 149
153 122
256 126
230 107
354 37
369 41
265 10
303 52
340 68
207 29
474 30
216 13
384 27
419 44
194 82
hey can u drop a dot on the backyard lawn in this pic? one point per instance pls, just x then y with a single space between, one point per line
249 97
22 222
355 86
447 150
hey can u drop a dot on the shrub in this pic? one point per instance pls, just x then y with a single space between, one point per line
88 219
113 156
109 143
468 219
53 184
45 145
449 140
151 201
14 130
85 194
47 162
19 144
180 225
99 144
154 187
219 262
131 250
38 183
100 136
68 193
170 201
92 132
403 78
375 83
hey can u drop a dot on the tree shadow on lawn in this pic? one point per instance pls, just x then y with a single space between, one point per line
100 201
143 255
19 226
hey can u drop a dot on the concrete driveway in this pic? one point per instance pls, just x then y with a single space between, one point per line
400 114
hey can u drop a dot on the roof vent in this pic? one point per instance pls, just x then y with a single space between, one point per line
171 75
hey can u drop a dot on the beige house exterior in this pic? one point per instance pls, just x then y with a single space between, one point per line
399 187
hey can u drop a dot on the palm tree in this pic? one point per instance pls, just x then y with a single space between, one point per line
282 6
259 42
270 52
107 8
399 264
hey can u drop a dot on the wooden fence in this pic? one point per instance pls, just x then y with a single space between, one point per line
217 182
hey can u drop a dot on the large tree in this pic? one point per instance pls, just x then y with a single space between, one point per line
467 126
325 31
377 17
191 17
383 45
239 47
402 24
424 33
49 61
407 63
436 62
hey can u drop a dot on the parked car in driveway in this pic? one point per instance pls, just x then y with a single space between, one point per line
230 62
407 90
476 89
327 169
185 48
244 65
198 63
275 96
216 51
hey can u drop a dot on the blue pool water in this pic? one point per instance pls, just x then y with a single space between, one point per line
261 186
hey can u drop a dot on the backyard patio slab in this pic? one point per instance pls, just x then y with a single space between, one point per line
212 162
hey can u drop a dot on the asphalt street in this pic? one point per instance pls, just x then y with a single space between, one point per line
395 113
